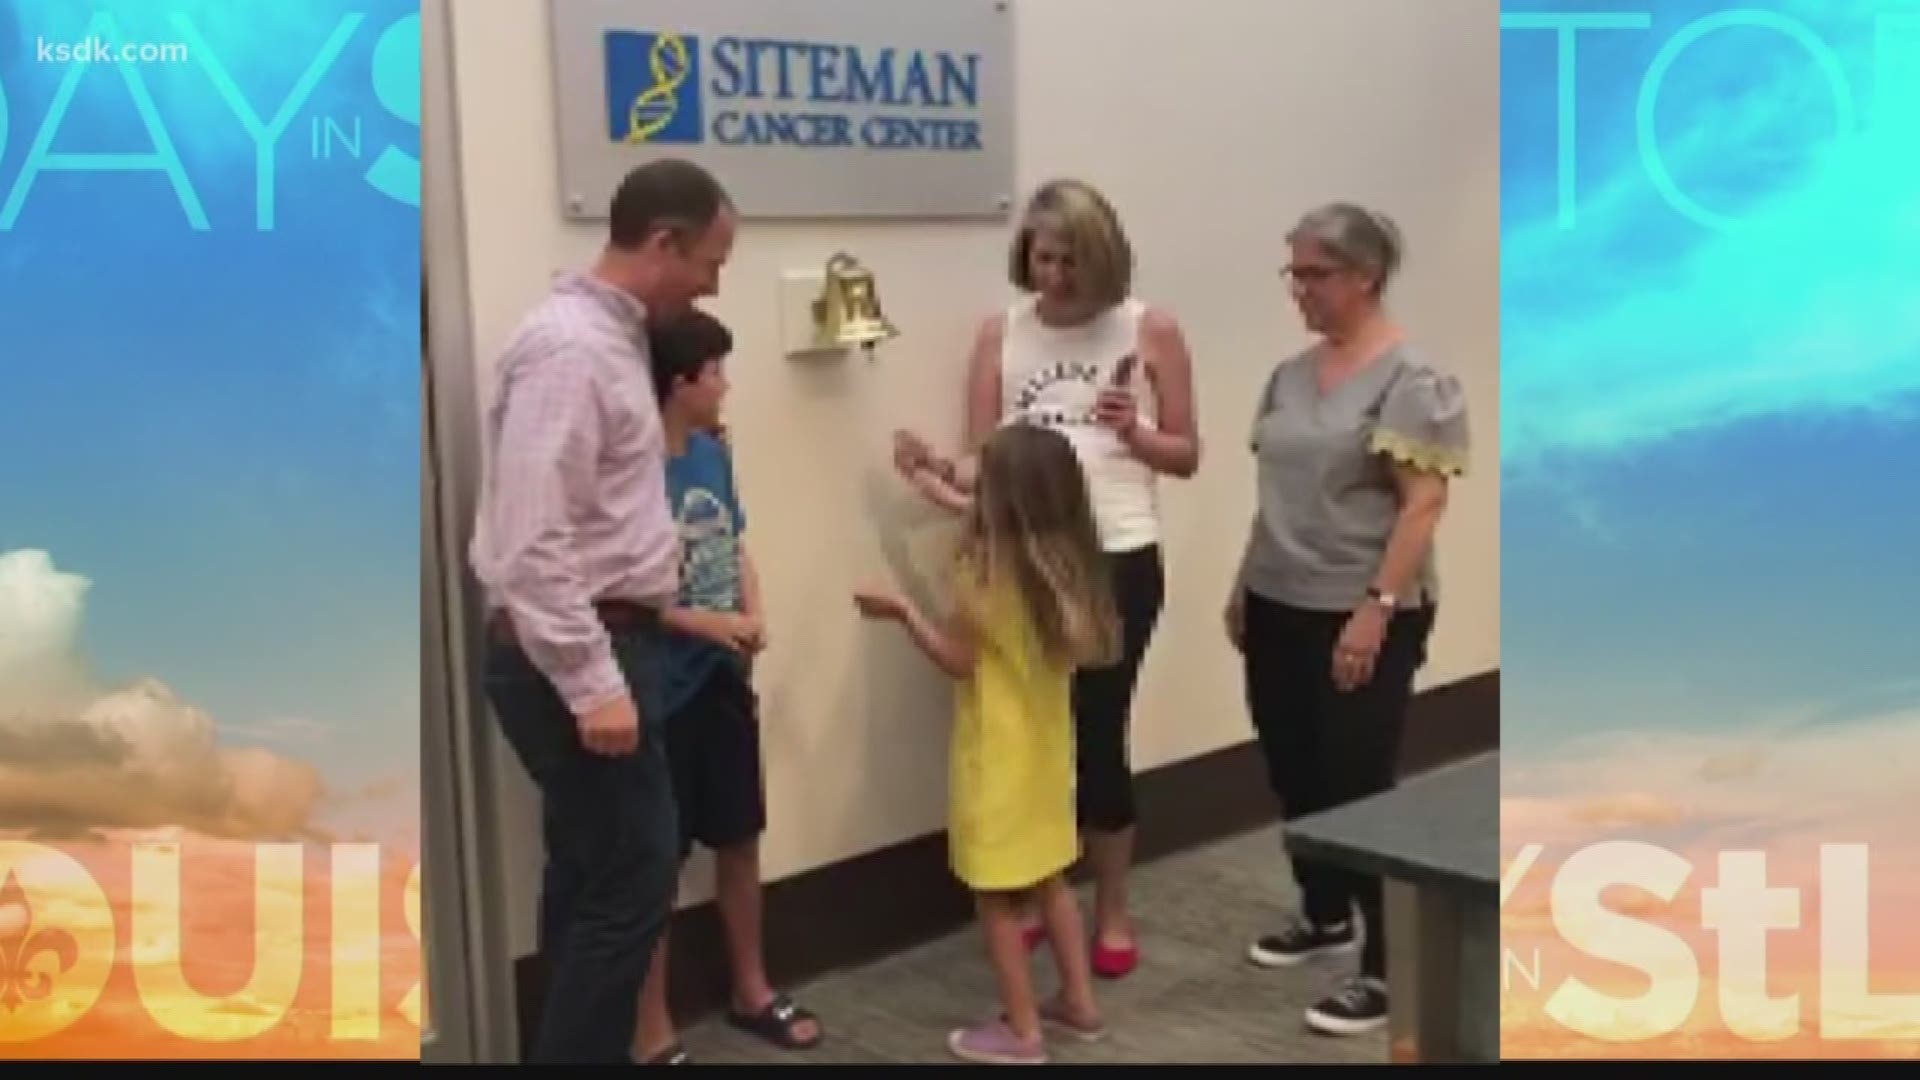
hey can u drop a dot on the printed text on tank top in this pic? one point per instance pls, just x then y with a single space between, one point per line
1027 397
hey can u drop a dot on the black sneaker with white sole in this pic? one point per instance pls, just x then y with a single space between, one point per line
1302 942
1356 1008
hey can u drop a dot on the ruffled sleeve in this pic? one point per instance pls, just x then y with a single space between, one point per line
1423 422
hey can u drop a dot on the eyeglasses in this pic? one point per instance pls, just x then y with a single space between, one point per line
1310 275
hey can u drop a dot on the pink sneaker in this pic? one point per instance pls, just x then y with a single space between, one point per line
994 1043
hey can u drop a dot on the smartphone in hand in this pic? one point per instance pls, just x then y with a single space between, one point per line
1123 371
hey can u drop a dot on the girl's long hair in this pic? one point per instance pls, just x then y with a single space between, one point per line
1032 528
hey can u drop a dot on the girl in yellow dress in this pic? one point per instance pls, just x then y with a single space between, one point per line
1029 608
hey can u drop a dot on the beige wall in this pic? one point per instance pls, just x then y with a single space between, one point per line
1211 124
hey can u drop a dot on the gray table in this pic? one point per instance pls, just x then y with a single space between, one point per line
1435 840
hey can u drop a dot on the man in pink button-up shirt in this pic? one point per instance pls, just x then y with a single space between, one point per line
578 554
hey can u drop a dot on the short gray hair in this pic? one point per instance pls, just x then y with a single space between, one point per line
1359 238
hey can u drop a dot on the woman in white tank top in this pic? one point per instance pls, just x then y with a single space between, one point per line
1079 353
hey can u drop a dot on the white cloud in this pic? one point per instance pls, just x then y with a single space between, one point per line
1844 776
285 730
40 614
75 757
1640 326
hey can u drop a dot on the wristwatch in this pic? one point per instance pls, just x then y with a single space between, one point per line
1386 601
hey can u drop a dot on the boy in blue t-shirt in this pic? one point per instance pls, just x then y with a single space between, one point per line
713 726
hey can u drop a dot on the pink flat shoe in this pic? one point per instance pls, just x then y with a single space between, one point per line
1111 963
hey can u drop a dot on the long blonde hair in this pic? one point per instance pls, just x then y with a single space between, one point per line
1032 528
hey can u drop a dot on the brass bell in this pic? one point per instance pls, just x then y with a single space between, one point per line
848 310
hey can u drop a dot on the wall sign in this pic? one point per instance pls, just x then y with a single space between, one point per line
831 108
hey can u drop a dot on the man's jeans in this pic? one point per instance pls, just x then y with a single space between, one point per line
611 846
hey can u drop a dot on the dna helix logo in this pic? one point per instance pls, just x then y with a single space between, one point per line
654 84
653 109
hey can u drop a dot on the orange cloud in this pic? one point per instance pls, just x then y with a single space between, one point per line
1828 775
1734 765
1628 810
137 919
75 757
1528 1032
1713 802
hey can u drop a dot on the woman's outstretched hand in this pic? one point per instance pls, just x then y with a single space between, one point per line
911 453
937 479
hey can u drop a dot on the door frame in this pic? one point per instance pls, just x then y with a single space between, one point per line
465 940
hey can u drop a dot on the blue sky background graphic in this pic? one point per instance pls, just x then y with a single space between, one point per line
220 429
1708 439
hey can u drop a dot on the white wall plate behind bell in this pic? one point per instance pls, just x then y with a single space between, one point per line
798 290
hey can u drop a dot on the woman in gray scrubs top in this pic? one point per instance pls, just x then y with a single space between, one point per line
1356 438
